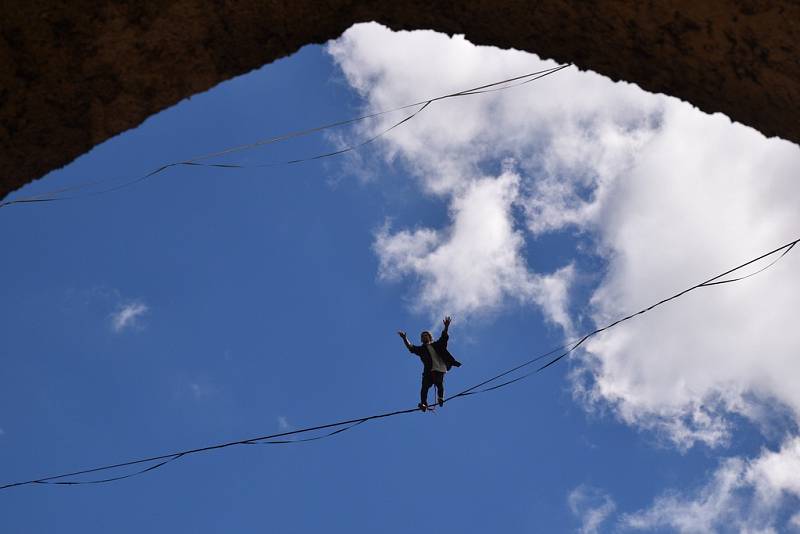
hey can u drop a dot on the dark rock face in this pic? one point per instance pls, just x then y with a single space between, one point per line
76 73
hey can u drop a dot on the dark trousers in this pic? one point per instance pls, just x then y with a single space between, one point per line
431 378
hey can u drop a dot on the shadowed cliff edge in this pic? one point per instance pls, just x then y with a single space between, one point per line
75 74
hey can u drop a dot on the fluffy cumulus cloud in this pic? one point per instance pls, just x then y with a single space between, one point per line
128 315
703 195
479 153
591 506
476 263
664 195
741 495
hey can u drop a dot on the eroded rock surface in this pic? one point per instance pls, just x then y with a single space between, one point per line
77 73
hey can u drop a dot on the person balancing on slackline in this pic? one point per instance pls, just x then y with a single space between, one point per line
436 361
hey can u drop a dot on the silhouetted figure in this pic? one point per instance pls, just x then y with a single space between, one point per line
436 361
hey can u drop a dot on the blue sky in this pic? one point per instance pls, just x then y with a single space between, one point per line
205 305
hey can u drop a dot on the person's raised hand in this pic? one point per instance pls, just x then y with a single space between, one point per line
401 334
446 321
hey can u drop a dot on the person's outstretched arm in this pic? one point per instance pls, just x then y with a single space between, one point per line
445 335
408 344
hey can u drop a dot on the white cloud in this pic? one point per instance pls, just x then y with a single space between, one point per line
702 196
477 263
127 316
664 194
740 496
283 423
592 506
195 388
715 504
777 472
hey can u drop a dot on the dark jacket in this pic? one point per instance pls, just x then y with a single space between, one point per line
440 346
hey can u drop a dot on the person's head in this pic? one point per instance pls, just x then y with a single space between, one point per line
426 337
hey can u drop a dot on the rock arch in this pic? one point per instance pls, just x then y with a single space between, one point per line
74 74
